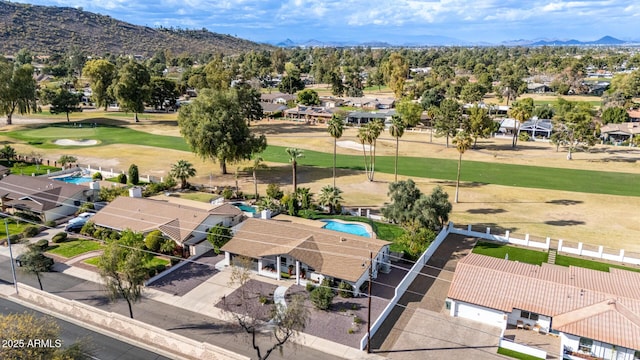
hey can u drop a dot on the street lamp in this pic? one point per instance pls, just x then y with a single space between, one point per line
13 269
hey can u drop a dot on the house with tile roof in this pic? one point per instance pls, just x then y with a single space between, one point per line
185 225
620 132
595 313
45 198
306 252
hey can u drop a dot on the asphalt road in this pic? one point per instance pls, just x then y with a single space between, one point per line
100 347
161 315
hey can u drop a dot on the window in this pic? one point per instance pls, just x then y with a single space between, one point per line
636 356
447 305
585 345
283 261
529 315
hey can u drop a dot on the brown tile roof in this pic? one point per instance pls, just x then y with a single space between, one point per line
599 305
329 252
143 215
628 128
37 193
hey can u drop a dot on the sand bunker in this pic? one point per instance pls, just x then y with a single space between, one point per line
69 142
352 145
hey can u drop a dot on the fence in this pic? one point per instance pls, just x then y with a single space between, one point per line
406 282
505 239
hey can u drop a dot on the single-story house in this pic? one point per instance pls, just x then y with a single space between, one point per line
309 113
360 118
620 132
187 226
278 98
330 102
537 88
634 115
43 197
271 109
306 253
537 127
595 313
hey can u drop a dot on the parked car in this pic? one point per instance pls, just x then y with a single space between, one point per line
75 227
81 218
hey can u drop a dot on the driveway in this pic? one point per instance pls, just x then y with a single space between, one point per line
189 276
419 327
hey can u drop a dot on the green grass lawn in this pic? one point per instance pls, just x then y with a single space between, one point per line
13 228
197 196
92 261
517 355
596 102
515 254
69 249
589 264
597 182
149 264
32 169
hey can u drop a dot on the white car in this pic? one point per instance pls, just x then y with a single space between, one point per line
82 218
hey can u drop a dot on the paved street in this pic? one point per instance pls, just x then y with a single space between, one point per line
172 318
100 347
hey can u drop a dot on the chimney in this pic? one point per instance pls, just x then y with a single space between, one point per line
135 192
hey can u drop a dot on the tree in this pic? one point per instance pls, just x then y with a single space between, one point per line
101 73
409 111
27 328
395 72
35 262
520 112
447 118
163 92
134 174
415 239
396 130
330 196
283 323
131 88
335 129
62 101
402 208
8 153
479 124
182 170
214 127
154 240
67 159
463 142
122 269
17 89
615 115
218 236
218 74
308 97
472 92
321 297
290 84
258 163
249 100
434 209
574 125
368 134
294 154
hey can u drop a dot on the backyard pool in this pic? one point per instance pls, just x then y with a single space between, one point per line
349 228
75 179
244 207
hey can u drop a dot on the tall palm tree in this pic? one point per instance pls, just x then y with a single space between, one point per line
182 170
520 112
463 142
330 196
336 128
294 154
258 163
369 134
396 130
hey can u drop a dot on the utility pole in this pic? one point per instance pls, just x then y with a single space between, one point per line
369 305
13 269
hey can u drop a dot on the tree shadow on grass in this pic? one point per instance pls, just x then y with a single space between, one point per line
564 222
463 184
486 211
565 202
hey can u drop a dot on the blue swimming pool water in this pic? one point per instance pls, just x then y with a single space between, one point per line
245 207
75 180
348 228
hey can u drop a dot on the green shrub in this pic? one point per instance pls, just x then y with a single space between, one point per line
40 245
15 238
351 331
85 207
227 193
97 176
263 299
59 237
524 136
273 190
154 240
345 289
160 268
322 297
122 178
310 286
307 213
134 176
50 224
357 320
88 228
30 231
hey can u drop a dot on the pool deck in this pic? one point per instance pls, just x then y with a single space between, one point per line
321 224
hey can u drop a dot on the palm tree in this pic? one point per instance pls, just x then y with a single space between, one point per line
182 170
294 154
257 164
330 196
336 127
520 112
463 142
369 134
396 130
8 153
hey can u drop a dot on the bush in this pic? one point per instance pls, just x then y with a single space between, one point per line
122 178
40 245
30 231
524 136
227 193
307 214
59 237
85 207
273 190
160 268
50 224
345 289
15 238
97 176
88 228
134 176
322 297
154 240
310 286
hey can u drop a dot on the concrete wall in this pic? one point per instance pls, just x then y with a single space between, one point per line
523 349
179 347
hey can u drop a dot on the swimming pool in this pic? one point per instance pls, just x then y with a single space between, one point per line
349 228
75 179
244 207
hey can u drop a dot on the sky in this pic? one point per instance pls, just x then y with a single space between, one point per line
395 21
